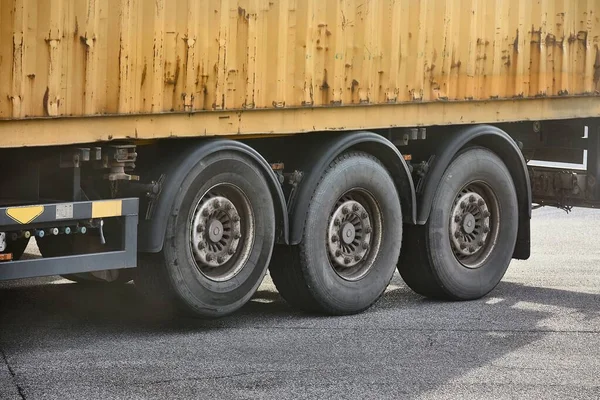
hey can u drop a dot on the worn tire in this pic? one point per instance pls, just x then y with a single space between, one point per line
174 279
308 276
428 262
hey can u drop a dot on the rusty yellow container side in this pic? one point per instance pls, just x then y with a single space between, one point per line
351 63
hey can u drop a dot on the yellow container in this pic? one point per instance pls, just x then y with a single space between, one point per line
208 67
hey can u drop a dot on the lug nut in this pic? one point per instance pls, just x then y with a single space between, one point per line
457 234
205 212
355 207
486 229
480 202
480 243
220 259
337 222
334 238
357 258
368 229
345 210
365 245
237 235
200 228
347 260
457 218
471 249
364 215
486 214
201 246
236 218
216 204
463 246
463 205
227 206
209 257
472 199
231 251
338 253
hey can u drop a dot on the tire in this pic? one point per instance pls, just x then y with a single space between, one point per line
59 246
195 272
17 247
321 274
442 259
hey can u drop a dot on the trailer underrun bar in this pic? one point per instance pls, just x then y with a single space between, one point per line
63 214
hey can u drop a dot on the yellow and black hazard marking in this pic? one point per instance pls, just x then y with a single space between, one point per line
24 215
33 214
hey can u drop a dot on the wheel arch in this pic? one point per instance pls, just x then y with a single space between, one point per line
152 231
498 141
329 150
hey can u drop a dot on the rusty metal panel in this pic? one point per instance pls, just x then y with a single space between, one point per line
98 57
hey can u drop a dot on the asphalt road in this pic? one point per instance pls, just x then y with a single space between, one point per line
536 336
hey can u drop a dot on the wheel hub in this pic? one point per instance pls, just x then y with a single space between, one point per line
216 231
349 234
469 224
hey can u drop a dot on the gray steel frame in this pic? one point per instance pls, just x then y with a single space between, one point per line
126 258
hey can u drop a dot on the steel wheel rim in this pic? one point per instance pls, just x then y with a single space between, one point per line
354 234
222 232
474 224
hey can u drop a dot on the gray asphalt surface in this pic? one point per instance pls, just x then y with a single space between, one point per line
536 336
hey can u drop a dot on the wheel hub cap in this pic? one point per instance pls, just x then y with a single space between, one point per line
470 224
349 234
216 231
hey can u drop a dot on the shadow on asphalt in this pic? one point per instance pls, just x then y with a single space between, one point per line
414 345
43 301
51 300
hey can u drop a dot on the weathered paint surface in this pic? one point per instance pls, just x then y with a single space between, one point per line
98 57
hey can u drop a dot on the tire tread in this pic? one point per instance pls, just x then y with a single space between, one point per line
415 265
291 280
159 279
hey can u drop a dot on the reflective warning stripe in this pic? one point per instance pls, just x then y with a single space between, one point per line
107 208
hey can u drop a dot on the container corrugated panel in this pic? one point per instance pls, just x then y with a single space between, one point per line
94 57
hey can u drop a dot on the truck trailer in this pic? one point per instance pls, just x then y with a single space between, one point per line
190 146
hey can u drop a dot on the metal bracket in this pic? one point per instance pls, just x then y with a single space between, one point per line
411 134
74 157
121 160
